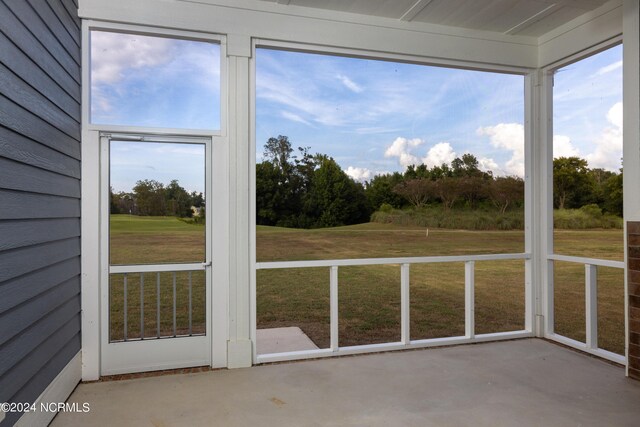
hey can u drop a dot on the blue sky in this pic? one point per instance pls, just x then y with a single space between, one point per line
154 82
163 162
376 116
371 116
588 109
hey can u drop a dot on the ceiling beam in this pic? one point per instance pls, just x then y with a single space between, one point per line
414 10
533 19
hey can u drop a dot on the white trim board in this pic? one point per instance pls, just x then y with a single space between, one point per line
369 33
57 391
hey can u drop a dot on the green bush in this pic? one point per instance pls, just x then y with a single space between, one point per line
588 216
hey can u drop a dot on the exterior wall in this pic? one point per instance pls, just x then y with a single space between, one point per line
39 195
633 277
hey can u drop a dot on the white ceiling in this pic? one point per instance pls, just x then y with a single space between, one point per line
515 17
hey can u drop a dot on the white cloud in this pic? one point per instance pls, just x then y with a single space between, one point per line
402 149
349 84
375 130
608 145
294 117
614 115
113 53
440 153
508 136
278 89
609 68
487 164
562 147
359 174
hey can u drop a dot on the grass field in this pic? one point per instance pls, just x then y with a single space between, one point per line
369 297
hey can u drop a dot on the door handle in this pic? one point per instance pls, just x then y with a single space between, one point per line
206 264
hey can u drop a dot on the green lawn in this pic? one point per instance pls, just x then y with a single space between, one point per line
369 297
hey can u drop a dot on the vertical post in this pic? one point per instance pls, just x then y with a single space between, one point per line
141 306
591 304
531 199
549 298
543 217
190 307
239 345
174 304
126 309
405 304
333 307
469 299
158 303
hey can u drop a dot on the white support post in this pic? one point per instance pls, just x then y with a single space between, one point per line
469 298
531 198
333 302
239 346
549 317
591 304
544 178
405 306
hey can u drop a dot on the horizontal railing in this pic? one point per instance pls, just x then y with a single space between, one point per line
405 341
591 307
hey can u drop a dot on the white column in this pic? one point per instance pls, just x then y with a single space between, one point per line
631 132
541 178
531 197
239 346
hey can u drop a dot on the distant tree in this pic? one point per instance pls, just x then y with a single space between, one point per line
197 199
269 193
278 151
114 202
473 188
448 189
467 165
178 200
335 199
150 198
506 191
573 186
614 194
416 191
380 190
280 186
439 172
599 178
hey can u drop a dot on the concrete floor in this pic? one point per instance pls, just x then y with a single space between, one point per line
517 383
280 340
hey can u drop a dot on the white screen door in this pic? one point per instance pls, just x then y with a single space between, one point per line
156 253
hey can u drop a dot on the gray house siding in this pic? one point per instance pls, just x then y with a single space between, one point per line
39 195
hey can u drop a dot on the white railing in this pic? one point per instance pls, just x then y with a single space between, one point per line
154 271
591 306
405 341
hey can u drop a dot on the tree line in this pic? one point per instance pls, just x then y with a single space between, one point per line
152 198
305 190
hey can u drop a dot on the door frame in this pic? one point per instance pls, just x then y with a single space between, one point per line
90 255
160 353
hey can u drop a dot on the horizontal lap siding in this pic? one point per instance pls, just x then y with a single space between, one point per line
39 195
